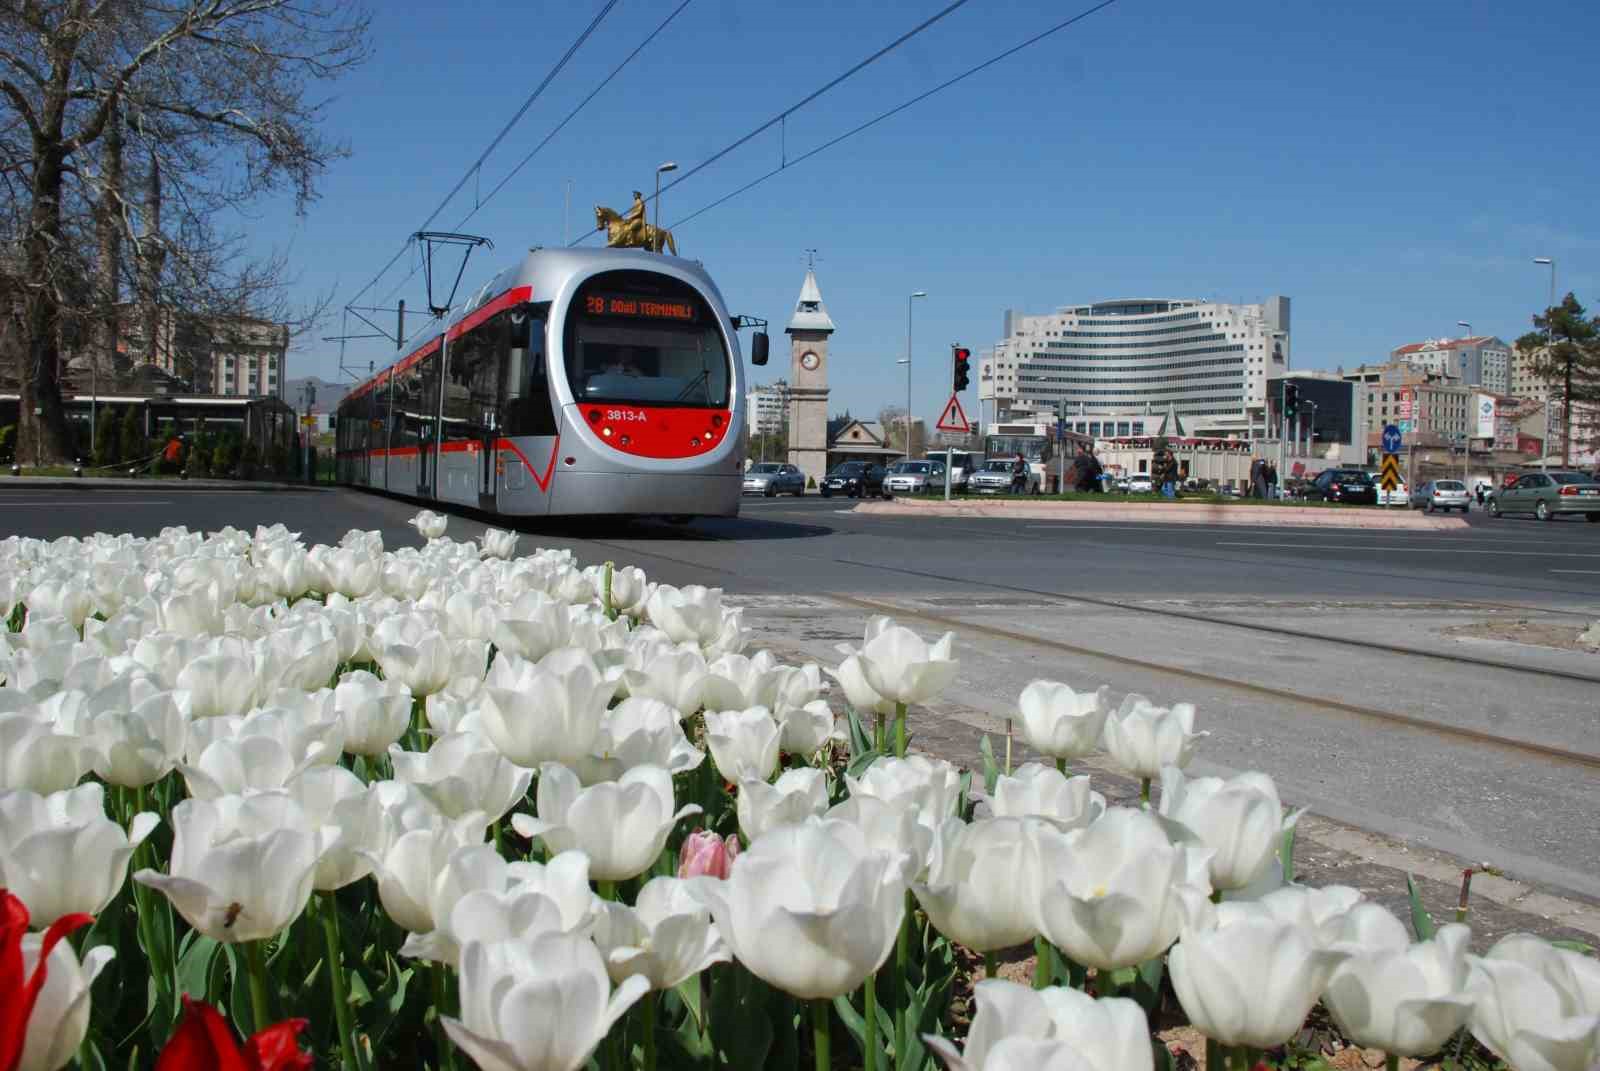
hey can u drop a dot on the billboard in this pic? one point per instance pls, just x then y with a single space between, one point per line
1483 406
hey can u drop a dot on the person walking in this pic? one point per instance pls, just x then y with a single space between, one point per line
1164 470
1258 478
1019 476
1272 480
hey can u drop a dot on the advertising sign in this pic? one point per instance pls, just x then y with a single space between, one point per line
1483 405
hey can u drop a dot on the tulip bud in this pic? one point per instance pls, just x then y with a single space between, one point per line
704 854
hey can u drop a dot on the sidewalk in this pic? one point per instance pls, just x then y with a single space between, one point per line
1166 513
146 483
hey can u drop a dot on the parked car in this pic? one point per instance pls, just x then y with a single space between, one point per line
1343 485
995 477
855 479
1122 484
1140 485
1549 494
914 477
1441 494
772 478
1400 496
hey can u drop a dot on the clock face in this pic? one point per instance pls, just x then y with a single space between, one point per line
809 362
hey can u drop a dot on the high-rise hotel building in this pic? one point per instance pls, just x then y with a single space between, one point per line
1118 362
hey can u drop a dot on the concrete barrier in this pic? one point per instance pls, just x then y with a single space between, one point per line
1167 513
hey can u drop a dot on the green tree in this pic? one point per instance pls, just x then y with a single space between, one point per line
106 451
1565 354
130 439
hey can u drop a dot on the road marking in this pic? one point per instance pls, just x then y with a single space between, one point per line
1412 550
1580 572
58 502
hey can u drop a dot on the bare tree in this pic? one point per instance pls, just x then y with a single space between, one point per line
210 100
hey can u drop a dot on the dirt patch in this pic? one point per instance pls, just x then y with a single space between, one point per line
1558 637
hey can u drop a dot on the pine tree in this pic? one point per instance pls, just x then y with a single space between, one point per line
130 440
1565 353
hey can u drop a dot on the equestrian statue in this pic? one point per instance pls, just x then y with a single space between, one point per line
631 231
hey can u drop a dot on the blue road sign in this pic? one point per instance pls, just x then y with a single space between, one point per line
1391 439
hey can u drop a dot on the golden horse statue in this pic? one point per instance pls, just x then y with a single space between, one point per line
633 232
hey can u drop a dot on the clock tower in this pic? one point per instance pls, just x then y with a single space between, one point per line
808 332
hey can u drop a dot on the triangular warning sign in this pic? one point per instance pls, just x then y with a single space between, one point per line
953 418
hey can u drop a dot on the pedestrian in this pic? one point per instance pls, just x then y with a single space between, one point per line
1164 469
1479 490
1019 476
172 454
1258 478
1272 480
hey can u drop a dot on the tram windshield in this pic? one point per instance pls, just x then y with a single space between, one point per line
644 339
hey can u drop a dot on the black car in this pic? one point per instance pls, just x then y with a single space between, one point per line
1343 485
857 479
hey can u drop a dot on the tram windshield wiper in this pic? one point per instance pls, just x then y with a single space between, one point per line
698 381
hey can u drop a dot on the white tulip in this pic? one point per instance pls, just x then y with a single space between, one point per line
620 825
462 773
414 873
472 615
498 543
303 657
667 936
413 652
537 1005
1062 723
549 711
1393 995
857 692
241 867
891 829
805 729
1536 1011
67 598
35 757
453 897
331 796
677 676
239 766
929 788
141 744
902 668
532 626
375 713
1039 791
218 684
1143 738
1249 979
744 743
962 897
60 854
630 589
1319 911
60 1018
810 909
1117 892
798 794
690 614
429 525
738 682
539 898
732 638
1239 819
1019 1028
639 732
351 571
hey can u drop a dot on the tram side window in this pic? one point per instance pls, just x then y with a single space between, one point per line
528 408
378 424
471 389
412 407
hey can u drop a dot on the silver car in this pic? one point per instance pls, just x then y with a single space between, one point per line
995 477
1441 495
772 478
914 477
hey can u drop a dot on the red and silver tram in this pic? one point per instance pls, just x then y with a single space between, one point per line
579 382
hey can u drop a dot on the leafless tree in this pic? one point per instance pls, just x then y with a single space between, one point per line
199 107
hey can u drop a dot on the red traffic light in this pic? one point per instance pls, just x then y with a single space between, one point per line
962 353
960 372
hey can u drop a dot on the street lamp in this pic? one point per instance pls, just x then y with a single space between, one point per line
914 294
670 165
1549 341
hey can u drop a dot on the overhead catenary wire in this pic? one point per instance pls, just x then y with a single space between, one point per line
898 108
538 90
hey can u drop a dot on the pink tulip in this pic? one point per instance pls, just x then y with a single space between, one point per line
706 854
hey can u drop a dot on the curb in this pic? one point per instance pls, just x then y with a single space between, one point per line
94 483
1163 513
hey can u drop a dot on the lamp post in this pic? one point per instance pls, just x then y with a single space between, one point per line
914 294
1549 341
670 165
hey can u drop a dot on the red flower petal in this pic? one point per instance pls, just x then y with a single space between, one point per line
277 1048
17 997
203 1042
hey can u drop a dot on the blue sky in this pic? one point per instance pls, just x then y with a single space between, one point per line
1392 168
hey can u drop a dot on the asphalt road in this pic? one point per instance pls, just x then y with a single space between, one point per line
1264 628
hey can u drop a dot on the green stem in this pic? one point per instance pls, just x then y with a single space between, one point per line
1391 1062
328 908
900 730
1214 1059
989 965
879 734
611 610
499 838
256 968
606 890
649 1032
870 1029
902 971
1041 963
1061 767
447 1055
821 1027
1144 790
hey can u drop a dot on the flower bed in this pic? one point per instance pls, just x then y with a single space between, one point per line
449 806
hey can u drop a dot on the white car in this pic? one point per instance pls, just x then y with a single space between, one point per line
1140 485
1400 496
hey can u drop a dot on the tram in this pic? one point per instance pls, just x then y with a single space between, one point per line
580 382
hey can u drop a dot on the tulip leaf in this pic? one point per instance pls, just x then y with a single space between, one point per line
194 967
859 764
860 739
741 1030
1286 854
688 991
991 768
1421 921
1575 946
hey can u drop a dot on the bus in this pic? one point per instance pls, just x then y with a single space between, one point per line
1037 443
579 382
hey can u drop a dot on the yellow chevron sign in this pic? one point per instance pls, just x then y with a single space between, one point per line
1390 477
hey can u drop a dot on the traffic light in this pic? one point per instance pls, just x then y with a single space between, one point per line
1291 399
962 373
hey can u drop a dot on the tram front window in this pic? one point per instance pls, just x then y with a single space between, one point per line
644 340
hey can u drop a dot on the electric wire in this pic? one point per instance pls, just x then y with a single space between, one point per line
560 64
969 72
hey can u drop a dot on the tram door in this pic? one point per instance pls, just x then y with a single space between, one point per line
428 432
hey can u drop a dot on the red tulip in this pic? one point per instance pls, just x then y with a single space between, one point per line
705 853
18 994
204 1042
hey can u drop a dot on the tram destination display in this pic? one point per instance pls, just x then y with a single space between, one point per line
639 306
